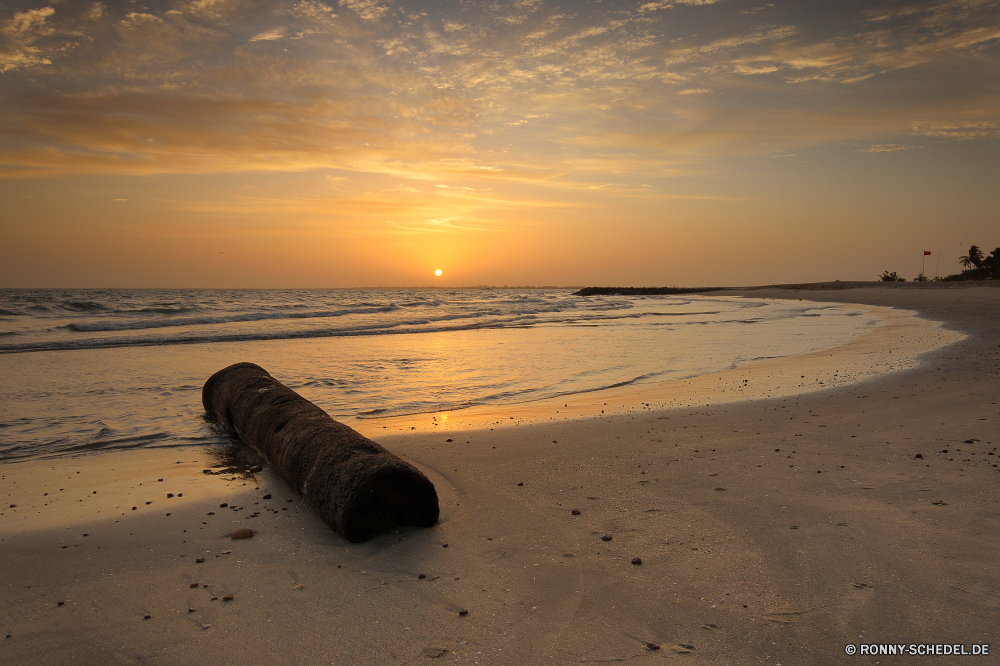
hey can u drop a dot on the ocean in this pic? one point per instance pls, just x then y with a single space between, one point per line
89 371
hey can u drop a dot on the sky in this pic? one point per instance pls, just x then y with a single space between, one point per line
308 143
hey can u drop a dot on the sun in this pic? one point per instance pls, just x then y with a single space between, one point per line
438 272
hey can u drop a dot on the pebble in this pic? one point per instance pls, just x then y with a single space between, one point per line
422 576
215 598
193 585
463 612
191 610
575 512
653 646
206 626
223 505
199 560
148 502
606 537
636 561
228 597
919 456
60 603
520 483
242 533
268 496
211 513
255 469
146 617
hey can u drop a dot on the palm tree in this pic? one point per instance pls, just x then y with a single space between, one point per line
973 259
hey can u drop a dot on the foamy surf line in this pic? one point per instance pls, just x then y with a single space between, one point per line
895 344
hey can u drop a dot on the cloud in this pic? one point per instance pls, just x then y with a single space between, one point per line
369 10
884 148
418 92
20 35
964 130
269 35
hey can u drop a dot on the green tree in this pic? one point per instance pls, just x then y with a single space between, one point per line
972 260
891 277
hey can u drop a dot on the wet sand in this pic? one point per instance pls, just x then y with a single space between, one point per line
772 531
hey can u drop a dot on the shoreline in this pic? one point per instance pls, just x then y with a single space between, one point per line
770 531
896 343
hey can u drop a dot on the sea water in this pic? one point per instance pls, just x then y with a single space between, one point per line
86 371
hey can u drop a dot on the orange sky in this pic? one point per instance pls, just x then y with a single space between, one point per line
254 143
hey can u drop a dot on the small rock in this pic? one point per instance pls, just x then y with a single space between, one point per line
299 586
206 626
719 489
60 603
193 585
575 512
148 502
199 560
606 537
637 561
463 612
444 545
268 496
242 533
520 483
652 646
223 505
919 456
146 617
159 479
211 513
191 610
447 440
421 576
135 508
215 598
13 506
255 469
228 597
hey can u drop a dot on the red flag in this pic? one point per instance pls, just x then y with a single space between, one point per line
926 253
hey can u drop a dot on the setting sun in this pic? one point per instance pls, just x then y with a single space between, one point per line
438 272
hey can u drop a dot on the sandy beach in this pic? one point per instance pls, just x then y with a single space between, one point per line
752 517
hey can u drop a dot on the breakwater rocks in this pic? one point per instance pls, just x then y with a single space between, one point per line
356 486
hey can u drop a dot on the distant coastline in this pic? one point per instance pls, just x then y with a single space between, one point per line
809 286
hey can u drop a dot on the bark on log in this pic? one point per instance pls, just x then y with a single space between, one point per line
356 486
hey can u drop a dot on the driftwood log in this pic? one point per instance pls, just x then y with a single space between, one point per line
357 487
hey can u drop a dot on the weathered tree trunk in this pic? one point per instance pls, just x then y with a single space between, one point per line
357 487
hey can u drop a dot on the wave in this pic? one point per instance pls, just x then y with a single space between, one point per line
226 319
83 306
